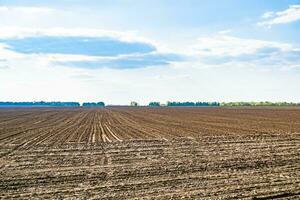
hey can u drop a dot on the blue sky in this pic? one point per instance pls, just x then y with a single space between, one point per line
118 51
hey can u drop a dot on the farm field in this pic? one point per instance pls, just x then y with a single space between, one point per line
150 153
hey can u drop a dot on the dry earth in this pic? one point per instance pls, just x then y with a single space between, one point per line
149 153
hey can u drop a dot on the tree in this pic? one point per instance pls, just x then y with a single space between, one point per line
100 103
93 104
154 104
133 103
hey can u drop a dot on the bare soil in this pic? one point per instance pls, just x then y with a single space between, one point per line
149 153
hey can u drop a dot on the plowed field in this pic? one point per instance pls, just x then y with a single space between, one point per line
149 153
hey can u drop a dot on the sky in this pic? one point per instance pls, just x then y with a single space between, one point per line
119 51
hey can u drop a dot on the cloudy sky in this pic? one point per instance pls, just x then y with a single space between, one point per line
122 50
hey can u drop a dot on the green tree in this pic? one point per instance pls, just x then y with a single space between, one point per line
154 103
133 103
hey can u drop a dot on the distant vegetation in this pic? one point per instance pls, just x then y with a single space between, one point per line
154 104
52 104
263 103
216 104
133 103
40 103
193 104
92 104
151 104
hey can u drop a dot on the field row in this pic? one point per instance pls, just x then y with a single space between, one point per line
154 169
47 126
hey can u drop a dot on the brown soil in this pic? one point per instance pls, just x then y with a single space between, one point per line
150 153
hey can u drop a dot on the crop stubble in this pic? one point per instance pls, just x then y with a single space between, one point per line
150 153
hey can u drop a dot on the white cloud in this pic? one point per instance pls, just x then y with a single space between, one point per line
224 32
21 32
135 57
37 79
224 45
25 9
7 32
3 64
7 54
27 77
220 50
292 14
267 15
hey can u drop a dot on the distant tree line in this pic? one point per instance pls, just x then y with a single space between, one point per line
169 103
262 103
50 104
93 104
151 104
215 104
40 103
193 103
